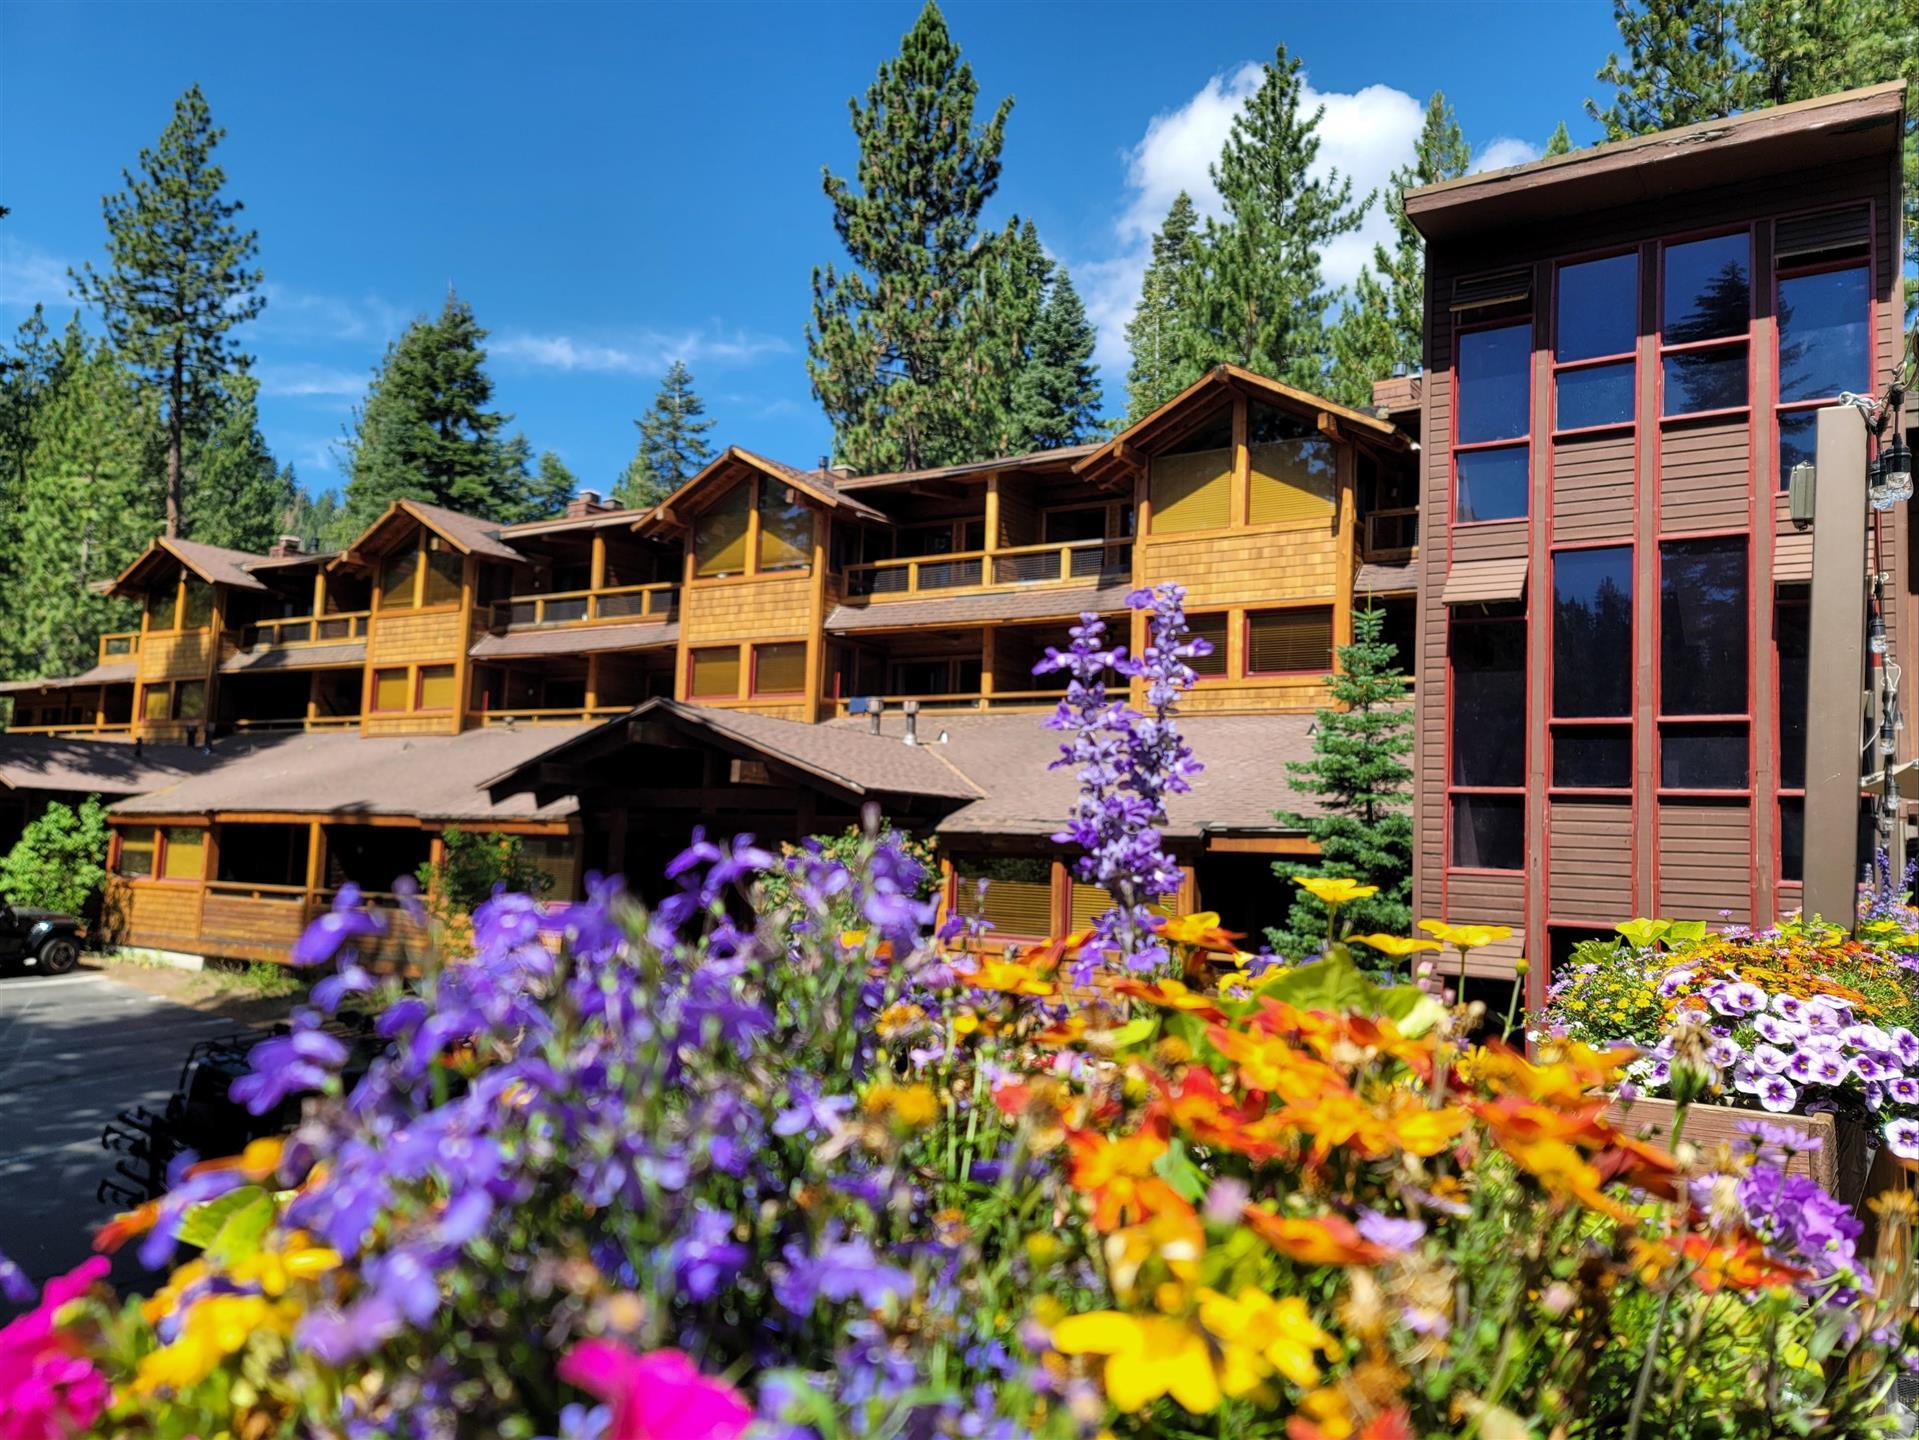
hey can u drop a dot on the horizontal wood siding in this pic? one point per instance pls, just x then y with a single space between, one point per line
155 914
1592 488
1705 859
772 608
176 655
1477 899
1243 567
1705 475
439 722
430 635
1590 860
1490 540
251 929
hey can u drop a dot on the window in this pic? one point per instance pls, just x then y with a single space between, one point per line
1086 902
786 529
183 855
1592 668
1295 469
390 690
138 845
1792 837
934 676
189 699
1211 629
163 609
437 689
1085 522
716 673
1705 310
1018 896
1594 331
719 534
1792 635
1492 420
197 613
1825 347
443 574
779 669
1284 642
397 573
1488 742
1191 483
156 702
1703 665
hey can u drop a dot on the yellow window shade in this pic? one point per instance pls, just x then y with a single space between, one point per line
719 534
716 673
1283 641
136 851
1211 628
199 611
156 702
1191 492
1292 480
1019 895
1089 902
442 577
786 530
779 669
184 854
396 580
389 690
190 700
437 691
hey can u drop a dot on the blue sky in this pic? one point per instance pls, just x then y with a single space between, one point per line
614 186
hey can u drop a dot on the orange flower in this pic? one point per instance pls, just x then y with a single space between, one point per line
1202 1110
1200 930
1639 1165
1315 1240
1738 1263
1541 1142
1567 1082
1011 977
1169 995
1117 1175
122 1228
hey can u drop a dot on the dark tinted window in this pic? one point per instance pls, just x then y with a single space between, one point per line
1592 632
1792 838
1489 832
1702 627
1597 308
1792 624
1707 291
1489 702
1494 379
1798 442
1698 380
1211 629
1704 757
1596 395
1825 334
1492 483
1592 757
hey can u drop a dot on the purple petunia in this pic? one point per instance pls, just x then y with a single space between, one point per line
1389 1233
1902 1138
1777 1094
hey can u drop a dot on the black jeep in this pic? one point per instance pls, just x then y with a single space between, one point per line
45 939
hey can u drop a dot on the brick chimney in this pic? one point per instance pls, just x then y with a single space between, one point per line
586 503
1398 392
283 547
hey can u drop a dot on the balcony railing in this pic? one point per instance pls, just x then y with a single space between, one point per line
81 728
1392 533
576 715
960 701
1012 569
331 629
281 724
119 645
587 607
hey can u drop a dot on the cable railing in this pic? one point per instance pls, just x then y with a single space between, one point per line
956 701
273 724
1014 568
573 715
659 601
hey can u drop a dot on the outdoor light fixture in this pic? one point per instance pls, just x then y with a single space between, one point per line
1895 469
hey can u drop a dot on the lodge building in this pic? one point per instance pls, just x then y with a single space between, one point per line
1574 521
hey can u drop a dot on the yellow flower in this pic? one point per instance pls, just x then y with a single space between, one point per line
1259 1335
274 1270
212 1329
1147 1356
1466 937
911 1106
1395 945
1334 892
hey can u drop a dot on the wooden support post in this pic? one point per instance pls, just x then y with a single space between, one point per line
316 865
596 568
592 681
988 657
1834 722
992 521
313 698
319 596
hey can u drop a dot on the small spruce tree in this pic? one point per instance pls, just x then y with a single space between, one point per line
673 446
1363 785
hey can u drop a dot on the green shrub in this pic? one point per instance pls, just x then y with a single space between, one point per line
60 860
475 862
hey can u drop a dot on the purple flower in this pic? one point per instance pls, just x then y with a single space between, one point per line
810 1112
1226 1198
706 1256
1723 1052
1389 1233
1789 1007
1775 1031
1903 1089
1829 1070
1902 1138
303 1059
1777 1094
1737 998
1905 1045
1769 1059
837 1272
345 922
1862 1036
14 1284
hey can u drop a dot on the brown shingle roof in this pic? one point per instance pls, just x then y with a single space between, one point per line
95 767
296 657
119 673
469 532
210 562
580 640
1060 458
1481 582
1042 603
431 777
1378 578
821 486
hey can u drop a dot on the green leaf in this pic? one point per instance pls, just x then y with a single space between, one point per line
230 1227
1333 984
1135 1032
1643 932
1411 1009
1177 1169
1691 932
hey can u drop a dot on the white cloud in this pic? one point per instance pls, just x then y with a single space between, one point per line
302 379
1363 135
30 276
1505 150
647 353
309 315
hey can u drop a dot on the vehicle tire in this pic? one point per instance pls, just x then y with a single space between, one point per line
58 955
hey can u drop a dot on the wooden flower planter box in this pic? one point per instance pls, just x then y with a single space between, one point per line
1841 1164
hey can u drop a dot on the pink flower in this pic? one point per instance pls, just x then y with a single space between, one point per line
656 1396
49 1391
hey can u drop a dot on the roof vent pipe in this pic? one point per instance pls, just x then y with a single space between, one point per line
875 708
911 709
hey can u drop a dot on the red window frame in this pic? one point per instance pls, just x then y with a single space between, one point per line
1556 722
753 678
1800 599
1523 620
1781 274
419 690
1595 362
1522 441
1662 722
1223 649
1725 342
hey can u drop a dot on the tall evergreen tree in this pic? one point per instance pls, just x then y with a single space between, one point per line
1056 394
673 446
553 485
1561 142
29 370
1005 321
1383 324
179 278
235 494
1682 64
1161 364
310 518
1363 786
894 337
1261 298
427 430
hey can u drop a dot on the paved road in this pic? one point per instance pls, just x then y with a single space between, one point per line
75 1050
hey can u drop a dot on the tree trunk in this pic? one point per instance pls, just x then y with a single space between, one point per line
175 431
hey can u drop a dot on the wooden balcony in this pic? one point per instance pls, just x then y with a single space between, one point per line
973 703
336 628
610 603
119 646
577 715
288 724
1075 562
77 729
1391 534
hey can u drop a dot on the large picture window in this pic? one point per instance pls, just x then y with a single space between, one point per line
1298 641
1294 470
1488 742
716 673
1825 347
1191 482
719 534
1792 635
1705 312
1704 664
1492 424
1595 328
1592 669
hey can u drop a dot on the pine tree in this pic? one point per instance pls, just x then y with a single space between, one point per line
310 518
1156 335
1561 142
1362 783
1383 324
553 486
672 446
235 493
894 337
1682 64
1006 321
1260 297
426 431
178 280
1056 394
